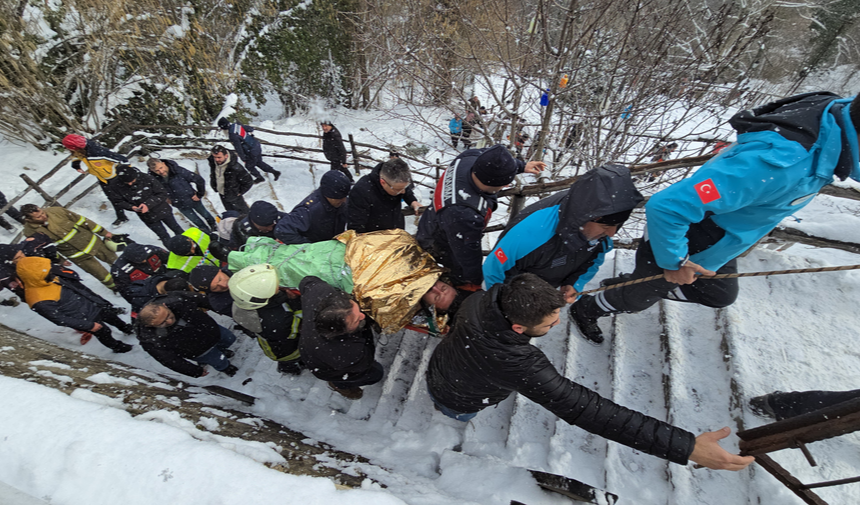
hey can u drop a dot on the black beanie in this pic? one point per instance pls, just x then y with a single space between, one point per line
180 245
201 277
223 123
495 166
263 213
126 174
854 112
334 184
616 219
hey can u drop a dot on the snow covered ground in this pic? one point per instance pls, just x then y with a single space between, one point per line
693 366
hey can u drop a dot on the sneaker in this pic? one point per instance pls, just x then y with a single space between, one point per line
588 327
122 347
230 370
119 221
290 367
348 393
277 175
762 406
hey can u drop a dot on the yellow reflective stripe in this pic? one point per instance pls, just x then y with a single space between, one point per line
98 228
187 261
77 255
81 220
297 321
90 246
69 236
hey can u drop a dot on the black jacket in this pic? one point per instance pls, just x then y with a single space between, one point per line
372 209
333 147
193 334
243 230
178 184
562 255
237 180
482 361
144 190
136 263
312 220
451 229
331 359
78 307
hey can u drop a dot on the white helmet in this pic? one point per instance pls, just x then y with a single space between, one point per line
252 286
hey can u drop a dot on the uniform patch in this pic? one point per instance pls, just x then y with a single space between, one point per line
707 191
501 256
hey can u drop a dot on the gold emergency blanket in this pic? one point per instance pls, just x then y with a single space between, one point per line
391 273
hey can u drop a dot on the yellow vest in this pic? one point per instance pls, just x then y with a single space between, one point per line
188 263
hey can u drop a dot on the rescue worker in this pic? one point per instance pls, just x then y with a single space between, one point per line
77 238
100 162
261 309
191 249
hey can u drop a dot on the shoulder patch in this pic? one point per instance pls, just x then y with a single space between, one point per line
707 191
501 256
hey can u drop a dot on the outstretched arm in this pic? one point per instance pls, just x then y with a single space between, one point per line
708 453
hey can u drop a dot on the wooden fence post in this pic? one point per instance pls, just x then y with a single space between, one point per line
355 156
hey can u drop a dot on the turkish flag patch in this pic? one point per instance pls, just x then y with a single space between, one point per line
500 255
707 191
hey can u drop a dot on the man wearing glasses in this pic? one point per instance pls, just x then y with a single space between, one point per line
374 201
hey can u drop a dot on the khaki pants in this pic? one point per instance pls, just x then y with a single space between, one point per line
89 263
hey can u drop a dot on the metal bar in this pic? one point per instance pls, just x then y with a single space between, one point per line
788 480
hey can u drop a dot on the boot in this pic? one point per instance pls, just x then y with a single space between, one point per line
348 393
122 347
230 370
277 175
227 353
119 221
587 326
290 367
259 179
5 224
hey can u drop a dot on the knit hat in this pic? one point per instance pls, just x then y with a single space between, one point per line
179 245
125 174
334 184
223 123
201 277
263 213
616 219
74 142
495 166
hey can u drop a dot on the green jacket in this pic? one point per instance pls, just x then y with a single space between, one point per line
294 262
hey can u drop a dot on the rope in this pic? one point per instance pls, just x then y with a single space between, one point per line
727 276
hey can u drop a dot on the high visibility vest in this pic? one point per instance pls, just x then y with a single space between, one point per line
188 263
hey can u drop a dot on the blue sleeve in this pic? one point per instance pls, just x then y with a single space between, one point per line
594 266
746 175
526 236
291 228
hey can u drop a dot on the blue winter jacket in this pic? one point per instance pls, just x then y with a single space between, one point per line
785 153
312 220
243 141
179 185
455 126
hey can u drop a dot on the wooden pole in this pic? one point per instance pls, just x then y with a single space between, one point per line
354 156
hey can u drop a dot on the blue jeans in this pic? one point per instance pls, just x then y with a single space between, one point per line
194 212
214 356
453 414
371 376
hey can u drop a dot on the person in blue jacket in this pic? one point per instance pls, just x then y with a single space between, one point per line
455 127
451 229
248 148
186 198
785 153
322 215
563 238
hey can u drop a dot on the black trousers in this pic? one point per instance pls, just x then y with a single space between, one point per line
235 202
336 165
158 227
120 213
715 293
104 334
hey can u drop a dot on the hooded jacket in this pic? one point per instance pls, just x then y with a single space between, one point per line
337 358
482 361
371 208
145 190
74 235
178 184
785 153
99 161
545 238
193 333
312 220
452 228
58 295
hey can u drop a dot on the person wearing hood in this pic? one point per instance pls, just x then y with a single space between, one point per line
58 295
248 148
322 215
451 229
563 238
785 153
185 190
91 157
375 200
260 222
489 355
144 195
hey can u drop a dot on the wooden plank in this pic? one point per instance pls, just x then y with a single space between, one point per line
788 480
